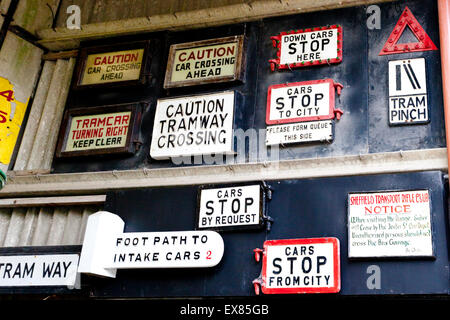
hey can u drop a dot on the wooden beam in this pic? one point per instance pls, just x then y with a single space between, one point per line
102 181
60 55
52 201
62 38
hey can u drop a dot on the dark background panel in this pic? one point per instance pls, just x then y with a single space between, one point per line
153 90
363 127
383 137
92 97
300 209
350 136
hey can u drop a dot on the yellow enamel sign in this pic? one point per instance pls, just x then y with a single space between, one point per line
12 113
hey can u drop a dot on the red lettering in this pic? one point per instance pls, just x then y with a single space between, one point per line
191 56
125 119
8 94
230 50
93 122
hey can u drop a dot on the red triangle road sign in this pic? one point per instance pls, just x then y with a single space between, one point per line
407 19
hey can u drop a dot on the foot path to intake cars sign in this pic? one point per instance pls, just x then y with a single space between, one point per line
389 224
301 266
107 248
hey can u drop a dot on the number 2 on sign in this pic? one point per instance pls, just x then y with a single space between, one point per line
208 255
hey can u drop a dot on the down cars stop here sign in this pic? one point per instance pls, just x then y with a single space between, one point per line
301 266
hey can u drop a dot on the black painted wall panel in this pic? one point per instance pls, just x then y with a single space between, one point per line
383 137
362 129
301 209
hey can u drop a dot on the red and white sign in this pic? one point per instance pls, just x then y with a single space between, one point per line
307 47
389 224
302 101
407 19
301 266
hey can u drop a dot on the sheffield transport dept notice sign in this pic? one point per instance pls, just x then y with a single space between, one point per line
194 125
389 224
229 208
301 266
307 47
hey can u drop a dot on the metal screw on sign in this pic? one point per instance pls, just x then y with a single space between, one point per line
258 253
256 285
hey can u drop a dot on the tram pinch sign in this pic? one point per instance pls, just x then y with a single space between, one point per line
302 111
408 100
309 265
307 47
107 248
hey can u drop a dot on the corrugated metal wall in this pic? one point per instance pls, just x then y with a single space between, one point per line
40 137
44 226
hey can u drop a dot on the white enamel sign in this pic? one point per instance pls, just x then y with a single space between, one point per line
300 132
106 249
39 270
223 208
408 102
303 101
390 224
310 46
301 266
195 125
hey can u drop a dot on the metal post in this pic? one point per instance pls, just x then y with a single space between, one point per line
444 35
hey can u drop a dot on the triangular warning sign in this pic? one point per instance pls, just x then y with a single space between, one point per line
407 19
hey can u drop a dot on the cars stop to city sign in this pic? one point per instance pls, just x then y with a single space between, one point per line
309 265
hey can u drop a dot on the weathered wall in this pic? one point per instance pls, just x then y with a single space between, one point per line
41 226
100 19
34 15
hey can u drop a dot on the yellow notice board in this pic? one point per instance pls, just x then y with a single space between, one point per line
112 67
12 113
